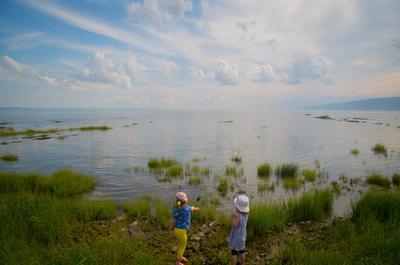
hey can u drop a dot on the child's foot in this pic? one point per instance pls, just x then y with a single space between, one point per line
179 263
183 259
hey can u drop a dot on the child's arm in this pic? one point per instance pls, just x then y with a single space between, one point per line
172 222
195 209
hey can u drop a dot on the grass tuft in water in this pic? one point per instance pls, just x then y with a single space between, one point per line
264 170
263 186
289 170
223 186
9 157
310 206
309 174
236 159
379 180
292 183
354 151
380 149
195 180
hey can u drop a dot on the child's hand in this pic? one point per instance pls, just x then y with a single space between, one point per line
194 209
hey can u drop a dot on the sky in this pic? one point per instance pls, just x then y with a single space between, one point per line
197 54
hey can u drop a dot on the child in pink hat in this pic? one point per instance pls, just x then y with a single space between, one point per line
180 222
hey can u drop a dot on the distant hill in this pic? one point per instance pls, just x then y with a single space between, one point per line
379 104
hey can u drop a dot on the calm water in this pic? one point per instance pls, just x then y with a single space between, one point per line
275 137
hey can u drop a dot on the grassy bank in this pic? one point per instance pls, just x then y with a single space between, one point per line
45 220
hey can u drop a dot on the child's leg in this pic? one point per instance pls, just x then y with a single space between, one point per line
181 236
233 260
242 258
234 254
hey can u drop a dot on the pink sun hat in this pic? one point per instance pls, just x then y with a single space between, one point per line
181 196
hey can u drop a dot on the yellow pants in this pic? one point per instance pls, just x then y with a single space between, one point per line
180 235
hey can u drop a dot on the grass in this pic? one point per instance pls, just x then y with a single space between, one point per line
263 217
139 208
309 174
396 179
292 183
381 206
379 180
195 180
310 206
230 171
380 149
354 151
9 157
289 170
29 132
62 137
223 186
264 170
162 163
236 159
263 186
62 183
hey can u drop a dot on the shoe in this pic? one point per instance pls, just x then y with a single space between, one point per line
179 263
183 259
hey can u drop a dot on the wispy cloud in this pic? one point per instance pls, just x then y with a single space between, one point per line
92 25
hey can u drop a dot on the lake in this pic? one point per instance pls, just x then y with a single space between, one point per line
118 157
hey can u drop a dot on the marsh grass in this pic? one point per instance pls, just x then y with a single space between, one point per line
310 206
380 149
379 180
195 180
354 151
230 171
156 164
62 137
9 157
174 172
139 208
223 186
236 159
381 206
264 170
30 132
263 218
396 179
263 186
292 183
309 174
207 213
62 183
288 170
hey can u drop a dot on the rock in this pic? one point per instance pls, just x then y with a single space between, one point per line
109 234
302 223
308 222
120 218
173 249
258 258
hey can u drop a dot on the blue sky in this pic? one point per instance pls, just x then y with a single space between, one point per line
184 54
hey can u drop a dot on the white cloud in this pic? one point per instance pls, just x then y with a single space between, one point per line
166 68
91 25
226 73
262 73
12 64
158 11
307 68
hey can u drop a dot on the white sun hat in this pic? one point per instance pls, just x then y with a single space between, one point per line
242 203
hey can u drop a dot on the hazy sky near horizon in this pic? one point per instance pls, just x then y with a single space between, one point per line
227 54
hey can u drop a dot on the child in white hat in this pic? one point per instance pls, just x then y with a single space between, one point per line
180 222
237 239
